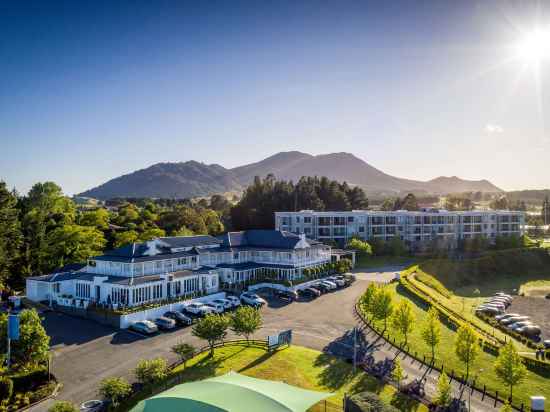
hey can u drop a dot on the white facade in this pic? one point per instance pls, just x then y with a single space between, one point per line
415 228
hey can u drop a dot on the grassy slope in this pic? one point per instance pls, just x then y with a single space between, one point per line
298 366
368 262
483 366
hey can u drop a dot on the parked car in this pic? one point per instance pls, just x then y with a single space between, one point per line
529 330
197 308
164 323
502 294
309 292
488 310
321 287
144 326
506 315
517 325
546 344
227 305
505 302
335 280
179 317
94 405
286 294
514 319
216 307
330 285
235 301
252 299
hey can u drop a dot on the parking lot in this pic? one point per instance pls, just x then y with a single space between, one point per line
86 352
538 310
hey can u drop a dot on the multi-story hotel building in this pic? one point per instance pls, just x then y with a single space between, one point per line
174 267
414 228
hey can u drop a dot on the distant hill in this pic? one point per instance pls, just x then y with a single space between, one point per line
190 179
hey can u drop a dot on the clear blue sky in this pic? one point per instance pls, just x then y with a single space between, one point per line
91 90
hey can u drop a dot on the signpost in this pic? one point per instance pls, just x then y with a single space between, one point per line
13 334
283 338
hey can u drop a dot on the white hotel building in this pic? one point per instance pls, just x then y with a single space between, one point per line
173 268
414 228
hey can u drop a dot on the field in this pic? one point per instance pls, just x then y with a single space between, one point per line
298 366
482 368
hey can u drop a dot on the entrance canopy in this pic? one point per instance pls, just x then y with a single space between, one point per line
232 392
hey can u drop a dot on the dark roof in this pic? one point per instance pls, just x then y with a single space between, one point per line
116 280
253 265
57 277
190 241
71 267
272 239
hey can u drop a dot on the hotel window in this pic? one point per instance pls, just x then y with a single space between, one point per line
361 228
307 219
307 230
323 221
350 219
56 287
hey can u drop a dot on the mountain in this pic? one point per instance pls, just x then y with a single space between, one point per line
190 179
169 180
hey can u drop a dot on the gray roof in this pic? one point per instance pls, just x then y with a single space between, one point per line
190 241
272 239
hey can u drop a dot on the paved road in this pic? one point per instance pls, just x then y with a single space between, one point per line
85 352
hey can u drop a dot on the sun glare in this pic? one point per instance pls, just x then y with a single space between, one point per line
535 46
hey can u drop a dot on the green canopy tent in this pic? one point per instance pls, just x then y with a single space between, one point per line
232 392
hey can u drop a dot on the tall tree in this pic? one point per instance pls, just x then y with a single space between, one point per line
383 306
509 366
245 321
444 391
403 319
466 347
11 237
211 328
431 332
72 244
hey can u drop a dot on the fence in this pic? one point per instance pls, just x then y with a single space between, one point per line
464 385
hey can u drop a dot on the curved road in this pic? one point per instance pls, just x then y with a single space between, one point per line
85 352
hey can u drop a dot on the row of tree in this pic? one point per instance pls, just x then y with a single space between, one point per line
257 207
377 302
45 229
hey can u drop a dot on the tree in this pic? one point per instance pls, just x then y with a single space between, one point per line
33 345
63 406
369 298
443 397
152 370
151 233
509 366
114 389
11 237
184 350
73 244
245 321
466 347
431 333
211 328
396 246
383 305
98 218
125 238
403 318
362 247
397 373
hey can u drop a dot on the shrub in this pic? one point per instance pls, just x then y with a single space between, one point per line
114 389
6 388
367 402
29 381
63 406
149 371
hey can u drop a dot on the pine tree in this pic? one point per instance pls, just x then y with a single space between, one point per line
10 232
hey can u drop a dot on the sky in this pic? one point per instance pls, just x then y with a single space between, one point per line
92 90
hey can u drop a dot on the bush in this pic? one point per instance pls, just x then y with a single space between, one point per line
29 381
149 371
63 406
367 402
114 389
6 388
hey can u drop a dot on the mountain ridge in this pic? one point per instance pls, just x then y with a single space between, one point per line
193 178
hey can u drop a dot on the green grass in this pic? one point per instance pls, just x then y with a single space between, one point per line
368 262
433 283
535 288
302 367
483 367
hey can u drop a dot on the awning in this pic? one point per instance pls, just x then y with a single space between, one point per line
232 392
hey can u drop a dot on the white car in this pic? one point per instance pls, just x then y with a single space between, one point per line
234 300
339 282
252 299
506 315
329 284
216 307
198 309
224 302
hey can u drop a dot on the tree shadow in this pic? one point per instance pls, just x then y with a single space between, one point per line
257 361
404 403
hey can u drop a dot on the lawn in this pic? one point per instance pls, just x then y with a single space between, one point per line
482 368
298 366
368 262
535 288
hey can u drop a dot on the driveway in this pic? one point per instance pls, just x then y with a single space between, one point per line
86 352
